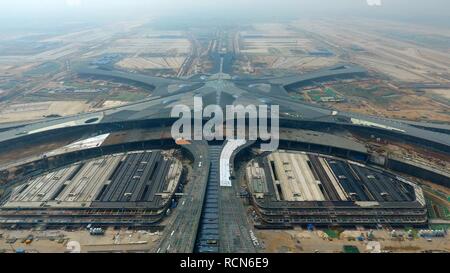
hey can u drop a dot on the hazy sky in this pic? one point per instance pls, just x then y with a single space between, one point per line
30 10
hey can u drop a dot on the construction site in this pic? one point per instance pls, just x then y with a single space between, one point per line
87 150
295 188
98 191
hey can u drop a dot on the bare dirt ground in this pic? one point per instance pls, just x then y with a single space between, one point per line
381 98
56 241
149 45
400 59
445 93
66 51
412 107
112 103
276 46
32 111
415 59
140 63
302 63
301 241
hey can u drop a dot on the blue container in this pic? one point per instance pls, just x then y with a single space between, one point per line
20 250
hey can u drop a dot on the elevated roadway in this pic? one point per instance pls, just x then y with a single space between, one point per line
224 91
181 232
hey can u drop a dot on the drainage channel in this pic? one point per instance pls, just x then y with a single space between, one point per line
208 234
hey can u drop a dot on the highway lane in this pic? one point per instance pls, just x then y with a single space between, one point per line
180 233
235 226
208 234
